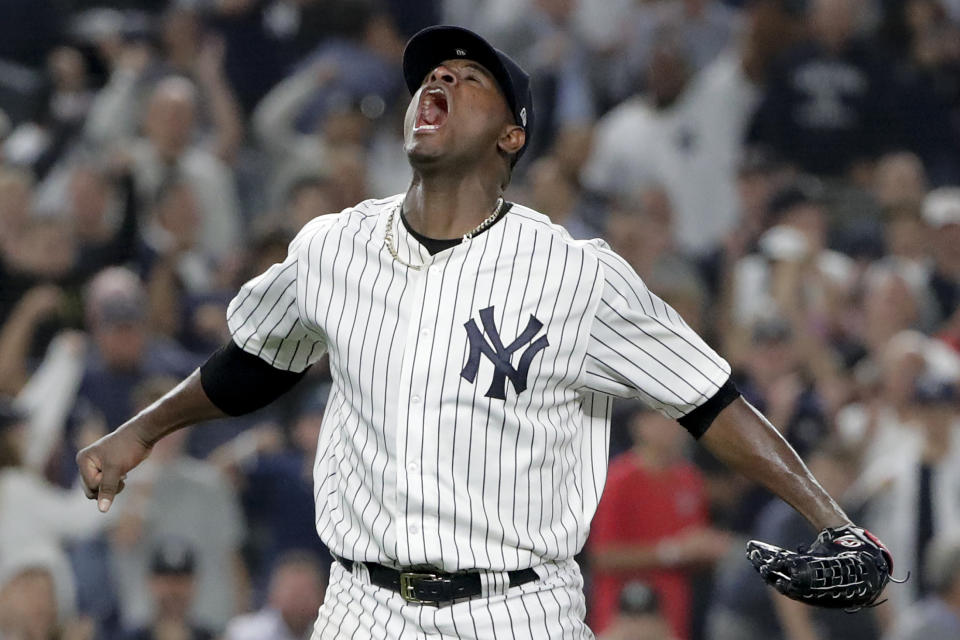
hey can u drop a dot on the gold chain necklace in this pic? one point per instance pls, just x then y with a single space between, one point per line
388 236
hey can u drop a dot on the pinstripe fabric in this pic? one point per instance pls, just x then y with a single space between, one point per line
552 607
420 461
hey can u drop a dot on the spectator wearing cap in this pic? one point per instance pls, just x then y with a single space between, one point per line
124 351
639 616
295 594
937 617
176 496
172 587
829 103
661 544
914 490
941 212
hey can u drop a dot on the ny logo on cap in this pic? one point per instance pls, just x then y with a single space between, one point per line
523 116
500 355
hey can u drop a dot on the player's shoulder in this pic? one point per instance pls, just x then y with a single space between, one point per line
363 213
531 219
595 251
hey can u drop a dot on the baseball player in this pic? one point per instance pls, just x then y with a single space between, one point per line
474 348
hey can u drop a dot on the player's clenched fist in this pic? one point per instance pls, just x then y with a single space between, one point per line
104 464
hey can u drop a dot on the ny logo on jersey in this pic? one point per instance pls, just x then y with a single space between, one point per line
500 355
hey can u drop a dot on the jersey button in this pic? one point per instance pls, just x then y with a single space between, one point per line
415 399
413 529
425 332
413 467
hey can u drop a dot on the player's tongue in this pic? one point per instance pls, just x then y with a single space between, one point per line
433 110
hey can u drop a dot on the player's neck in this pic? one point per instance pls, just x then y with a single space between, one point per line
440 207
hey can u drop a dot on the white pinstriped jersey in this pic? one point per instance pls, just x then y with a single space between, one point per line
468 423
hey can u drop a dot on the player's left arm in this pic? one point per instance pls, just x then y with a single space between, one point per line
639 347
743 439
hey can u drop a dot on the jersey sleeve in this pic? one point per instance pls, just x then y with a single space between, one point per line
264 317
641 348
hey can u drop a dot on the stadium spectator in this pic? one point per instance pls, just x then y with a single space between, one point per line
36 519
33 604
555 194
188 499
296 593
167 150
937 617
660 544
276 483
830 103
188 141
173 589
548 46
684 132
124 352
741 608
941 211
913 489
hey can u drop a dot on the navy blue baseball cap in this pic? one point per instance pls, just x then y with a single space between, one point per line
431 46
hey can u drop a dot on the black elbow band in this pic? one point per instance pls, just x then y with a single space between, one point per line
238 382
699 420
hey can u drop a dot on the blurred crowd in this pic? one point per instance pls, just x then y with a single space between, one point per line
785 173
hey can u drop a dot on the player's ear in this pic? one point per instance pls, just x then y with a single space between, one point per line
512 139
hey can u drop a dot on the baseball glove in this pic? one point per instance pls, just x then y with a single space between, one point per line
845 568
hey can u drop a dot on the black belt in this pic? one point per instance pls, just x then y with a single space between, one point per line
432 588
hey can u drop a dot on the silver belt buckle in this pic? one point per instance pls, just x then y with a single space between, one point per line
408 581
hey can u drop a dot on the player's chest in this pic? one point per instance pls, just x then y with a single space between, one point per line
488 324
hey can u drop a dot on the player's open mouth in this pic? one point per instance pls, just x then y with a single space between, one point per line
432 111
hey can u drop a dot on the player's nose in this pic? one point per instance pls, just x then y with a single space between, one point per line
444 74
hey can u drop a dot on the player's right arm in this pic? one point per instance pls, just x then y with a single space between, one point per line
104 464
270 351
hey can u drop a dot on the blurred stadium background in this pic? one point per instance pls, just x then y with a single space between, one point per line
785 173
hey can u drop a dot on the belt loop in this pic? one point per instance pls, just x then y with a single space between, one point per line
494 583
361 572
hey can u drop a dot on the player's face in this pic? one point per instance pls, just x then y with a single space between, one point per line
458 113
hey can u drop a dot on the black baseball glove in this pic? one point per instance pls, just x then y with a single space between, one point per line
845 568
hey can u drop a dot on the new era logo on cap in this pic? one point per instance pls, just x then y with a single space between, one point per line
461 52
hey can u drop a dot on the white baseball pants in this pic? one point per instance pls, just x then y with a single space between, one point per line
551 608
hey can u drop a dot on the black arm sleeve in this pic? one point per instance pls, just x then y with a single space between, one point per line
238 382
699 420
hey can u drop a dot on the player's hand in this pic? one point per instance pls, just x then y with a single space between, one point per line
104 464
